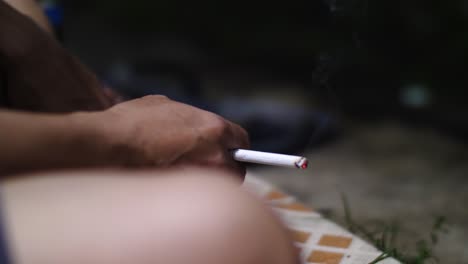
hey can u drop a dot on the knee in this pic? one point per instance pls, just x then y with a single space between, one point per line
197 217
214 221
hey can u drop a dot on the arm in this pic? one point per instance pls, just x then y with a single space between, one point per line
32 141
152 131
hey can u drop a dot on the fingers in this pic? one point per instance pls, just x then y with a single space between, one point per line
228 136
228 165
235 167
219 158
237 136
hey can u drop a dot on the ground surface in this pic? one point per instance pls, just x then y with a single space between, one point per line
389 172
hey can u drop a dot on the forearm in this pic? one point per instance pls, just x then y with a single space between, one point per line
152 131
43 141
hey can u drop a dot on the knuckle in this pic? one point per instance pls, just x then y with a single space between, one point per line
243 133
218 125
218 158
242 136
246 137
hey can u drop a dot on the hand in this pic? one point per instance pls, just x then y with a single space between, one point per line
156 131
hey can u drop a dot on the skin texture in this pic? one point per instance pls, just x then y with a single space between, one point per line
152 131
102 217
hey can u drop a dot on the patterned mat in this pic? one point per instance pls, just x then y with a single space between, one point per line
318 239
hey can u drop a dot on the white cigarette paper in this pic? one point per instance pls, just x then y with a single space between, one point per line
267 158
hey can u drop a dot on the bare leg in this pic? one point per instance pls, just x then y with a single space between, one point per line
184 216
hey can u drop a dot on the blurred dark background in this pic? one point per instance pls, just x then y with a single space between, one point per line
366 59
374 92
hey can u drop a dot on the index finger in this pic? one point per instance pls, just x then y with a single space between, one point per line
238 137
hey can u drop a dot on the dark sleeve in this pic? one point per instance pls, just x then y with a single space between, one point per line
38 74
4 249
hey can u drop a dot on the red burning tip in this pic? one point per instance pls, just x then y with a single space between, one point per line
302 163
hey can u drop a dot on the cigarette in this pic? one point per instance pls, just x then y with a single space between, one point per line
267 158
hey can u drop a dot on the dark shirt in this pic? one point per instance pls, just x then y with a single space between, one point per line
38 74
